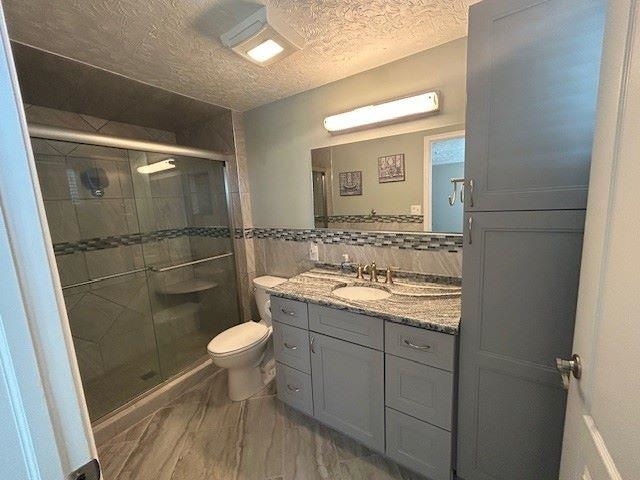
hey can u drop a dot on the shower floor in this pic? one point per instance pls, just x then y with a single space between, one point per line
119 385
203 435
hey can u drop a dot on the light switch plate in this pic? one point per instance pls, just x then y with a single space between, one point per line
313 252
416 209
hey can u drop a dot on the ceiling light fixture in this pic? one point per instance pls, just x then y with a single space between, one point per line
262 38
402 109
157 167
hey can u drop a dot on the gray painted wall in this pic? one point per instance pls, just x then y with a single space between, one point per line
393 198
280 135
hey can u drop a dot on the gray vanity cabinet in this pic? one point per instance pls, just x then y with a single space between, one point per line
348 388
532 78
389 386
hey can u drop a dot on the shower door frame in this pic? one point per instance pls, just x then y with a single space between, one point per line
47 132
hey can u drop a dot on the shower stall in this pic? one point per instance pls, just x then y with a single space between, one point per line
144 248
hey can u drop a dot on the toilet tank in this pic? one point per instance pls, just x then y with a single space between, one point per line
261 285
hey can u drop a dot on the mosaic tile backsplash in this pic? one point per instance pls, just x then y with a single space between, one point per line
371 218
101 243
402 240
407 241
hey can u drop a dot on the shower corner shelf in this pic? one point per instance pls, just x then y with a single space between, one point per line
193 285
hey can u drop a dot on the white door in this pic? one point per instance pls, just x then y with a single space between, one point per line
602 427
45 432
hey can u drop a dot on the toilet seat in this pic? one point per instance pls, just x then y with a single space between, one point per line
238 339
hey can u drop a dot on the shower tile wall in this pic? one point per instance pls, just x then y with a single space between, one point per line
73 213
243 219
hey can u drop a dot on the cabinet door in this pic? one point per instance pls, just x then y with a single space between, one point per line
348 389
533 68
519 292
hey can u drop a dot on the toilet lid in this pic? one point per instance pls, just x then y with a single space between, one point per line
240 337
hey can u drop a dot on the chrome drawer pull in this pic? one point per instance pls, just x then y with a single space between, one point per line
293 389
290 347
288 312
418 347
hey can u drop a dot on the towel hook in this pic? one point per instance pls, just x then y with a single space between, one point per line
452 197
454 194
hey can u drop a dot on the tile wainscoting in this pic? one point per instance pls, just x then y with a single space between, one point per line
404 223
285 252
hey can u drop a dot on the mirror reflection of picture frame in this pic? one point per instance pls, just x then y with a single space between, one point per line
350 183
391 168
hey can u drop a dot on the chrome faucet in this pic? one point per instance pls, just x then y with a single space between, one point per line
372 270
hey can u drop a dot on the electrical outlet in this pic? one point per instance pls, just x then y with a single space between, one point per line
416 209
313 252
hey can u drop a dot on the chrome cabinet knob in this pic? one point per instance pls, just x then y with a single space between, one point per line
568 368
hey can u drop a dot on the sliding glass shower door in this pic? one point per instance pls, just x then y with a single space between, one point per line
182 209
144 252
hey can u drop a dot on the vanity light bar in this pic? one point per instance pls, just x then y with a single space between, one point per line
386 112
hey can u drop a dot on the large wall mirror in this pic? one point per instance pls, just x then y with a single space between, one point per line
407 182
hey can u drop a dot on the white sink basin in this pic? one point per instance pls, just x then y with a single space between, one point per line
361 293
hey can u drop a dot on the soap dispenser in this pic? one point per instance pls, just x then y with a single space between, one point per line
345 266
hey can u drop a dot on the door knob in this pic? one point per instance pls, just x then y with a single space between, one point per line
568 368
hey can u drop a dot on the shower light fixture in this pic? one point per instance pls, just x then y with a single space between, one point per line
166 164
402 109
262 38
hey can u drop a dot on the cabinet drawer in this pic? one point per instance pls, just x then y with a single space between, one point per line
421 391
294 388
291 346
424 346
290 312
352 327
418 445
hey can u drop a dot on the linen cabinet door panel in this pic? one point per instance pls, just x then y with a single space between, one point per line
348 389
520 284
533 69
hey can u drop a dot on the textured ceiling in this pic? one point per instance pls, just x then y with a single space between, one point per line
174 44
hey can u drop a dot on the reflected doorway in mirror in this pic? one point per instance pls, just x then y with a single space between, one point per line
443 161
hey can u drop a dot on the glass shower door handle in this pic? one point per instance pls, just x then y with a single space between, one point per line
194 262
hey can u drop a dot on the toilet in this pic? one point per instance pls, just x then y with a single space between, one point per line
241 349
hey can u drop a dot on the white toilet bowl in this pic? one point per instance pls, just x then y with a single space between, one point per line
241 349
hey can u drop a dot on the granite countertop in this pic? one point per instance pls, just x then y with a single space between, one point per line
429 305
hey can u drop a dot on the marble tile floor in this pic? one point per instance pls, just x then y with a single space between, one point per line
204 436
